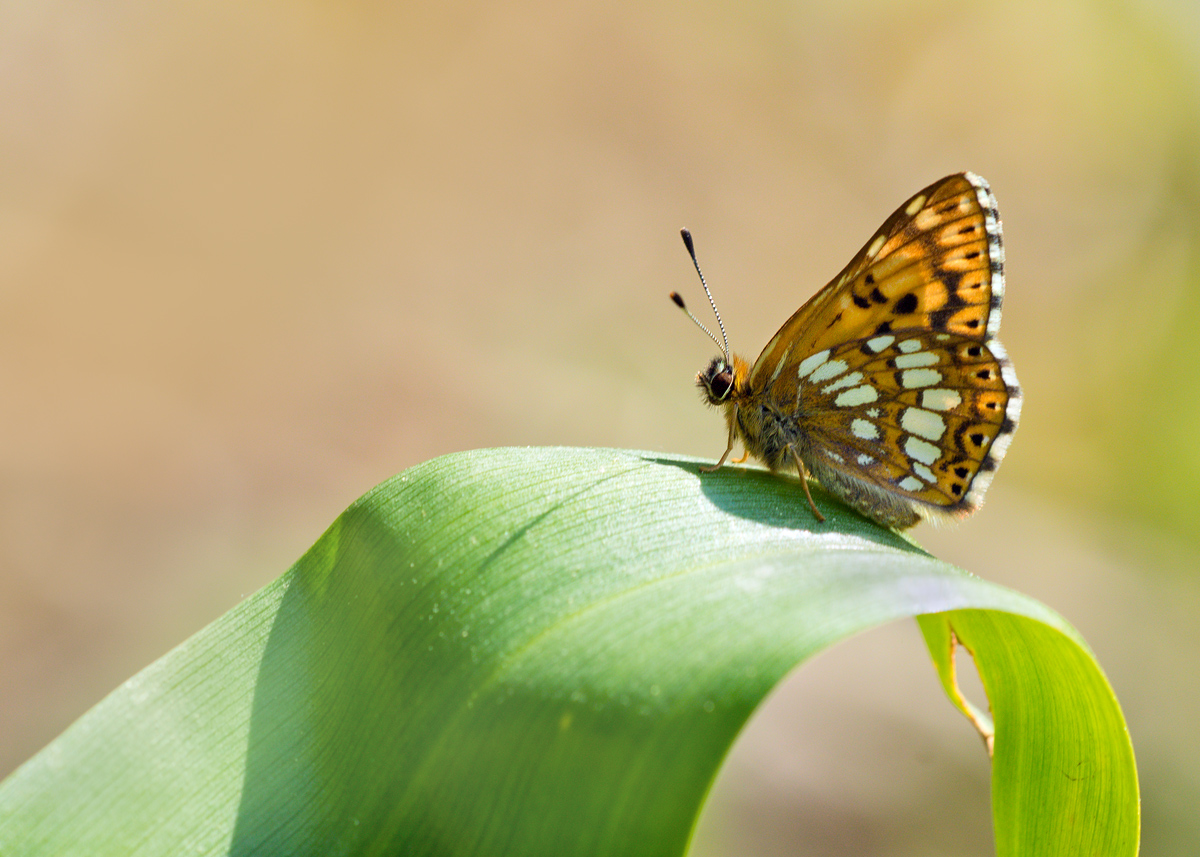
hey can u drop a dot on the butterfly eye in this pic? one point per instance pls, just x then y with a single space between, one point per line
716 381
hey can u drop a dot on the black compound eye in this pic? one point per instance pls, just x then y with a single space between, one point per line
721 384
716 381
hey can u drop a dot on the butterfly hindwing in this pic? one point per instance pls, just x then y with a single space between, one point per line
925 415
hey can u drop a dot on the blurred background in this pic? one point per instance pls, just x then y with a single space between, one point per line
256 258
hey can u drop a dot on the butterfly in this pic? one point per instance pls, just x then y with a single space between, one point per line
889 385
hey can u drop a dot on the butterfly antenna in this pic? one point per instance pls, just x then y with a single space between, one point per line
723 342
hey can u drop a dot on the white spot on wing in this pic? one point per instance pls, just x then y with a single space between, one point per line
864 429
911 379
876 246
924 472
921 358
908 346
927 424
940 400
845 381
880 342
808 364
910 483
827 370
919 450
915 205
861 395
865 459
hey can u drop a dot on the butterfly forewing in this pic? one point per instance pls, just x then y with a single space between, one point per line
935 264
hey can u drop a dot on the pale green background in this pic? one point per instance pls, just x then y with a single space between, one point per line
256 258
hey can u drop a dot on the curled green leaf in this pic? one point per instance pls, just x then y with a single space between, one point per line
549 651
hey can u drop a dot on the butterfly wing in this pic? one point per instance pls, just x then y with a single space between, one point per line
936 264
892 371
923 416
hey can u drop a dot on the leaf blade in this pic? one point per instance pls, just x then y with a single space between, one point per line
503 651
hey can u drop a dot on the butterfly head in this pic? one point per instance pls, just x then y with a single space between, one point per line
716 380
723 373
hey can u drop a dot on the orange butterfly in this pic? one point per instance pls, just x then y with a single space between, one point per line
888 386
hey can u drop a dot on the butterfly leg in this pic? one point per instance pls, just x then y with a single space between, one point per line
729 448
745 455
803 471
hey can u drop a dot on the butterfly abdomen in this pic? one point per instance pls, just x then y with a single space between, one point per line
883 506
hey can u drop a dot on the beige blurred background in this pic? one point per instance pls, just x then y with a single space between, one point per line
256 258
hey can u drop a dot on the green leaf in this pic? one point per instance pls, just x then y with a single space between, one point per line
1062 755
549 651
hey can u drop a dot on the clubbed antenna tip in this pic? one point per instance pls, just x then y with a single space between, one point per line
687 242
723 342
